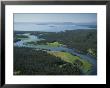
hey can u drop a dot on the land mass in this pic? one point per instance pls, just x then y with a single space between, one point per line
50 56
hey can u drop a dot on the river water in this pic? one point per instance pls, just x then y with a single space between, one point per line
23 43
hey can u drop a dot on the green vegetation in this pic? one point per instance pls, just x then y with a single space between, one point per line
54 44
18 37
44 42
64 56
43 61
21 36
38 62
83 64
32 42
92 52
87 66
81 40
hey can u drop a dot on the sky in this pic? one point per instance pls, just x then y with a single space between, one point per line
56 17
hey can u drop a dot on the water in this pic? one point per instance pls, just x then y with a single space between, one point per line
49 27
23 43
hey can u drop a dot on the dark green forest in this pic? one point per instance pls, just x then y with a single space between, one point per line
84 41
31 61
28 61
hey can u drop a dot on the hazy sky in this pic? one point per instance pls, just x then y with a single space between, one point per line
56 17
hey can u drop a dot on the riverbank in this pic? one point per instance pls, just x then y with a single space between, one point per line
89 64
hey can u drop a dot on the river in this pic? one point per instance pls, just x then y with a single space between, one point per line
23 43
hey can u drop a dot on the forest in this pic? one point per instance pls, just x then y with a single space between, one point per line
33 61
84 41
41 63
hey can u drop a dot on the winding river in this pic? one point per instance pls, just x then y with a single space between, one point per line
23 43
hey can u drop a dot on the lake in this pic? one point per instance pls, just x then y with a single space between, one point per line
51 27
